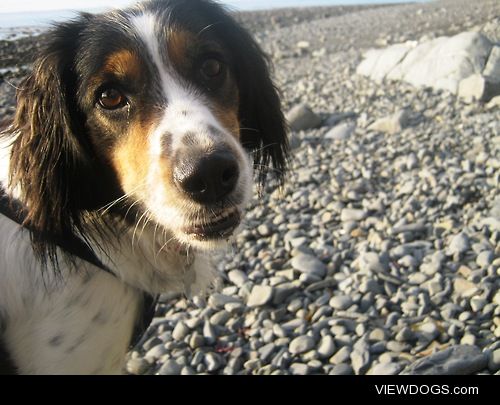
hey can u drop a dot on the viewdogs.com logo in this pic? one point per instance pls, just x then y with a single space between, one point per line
413 389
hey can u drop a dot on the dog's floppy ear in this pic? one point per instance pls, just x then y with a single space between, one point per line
264 130
47 158
263 127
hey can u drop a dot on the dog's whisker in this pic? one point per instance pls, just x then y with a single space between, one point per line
136 226
207 28
108 206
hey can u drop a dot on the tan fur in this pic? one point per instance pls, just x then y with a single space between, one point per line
124 64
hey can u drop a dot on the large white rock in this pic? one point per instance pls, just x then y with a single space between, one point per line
492 68
477 87
440 63
443 62
378 63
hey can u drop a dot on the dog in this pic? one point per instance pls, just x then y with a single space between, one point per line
130 158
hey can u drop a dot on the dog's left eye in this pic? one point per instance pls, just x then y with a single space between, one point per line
211 68
112 99
212 72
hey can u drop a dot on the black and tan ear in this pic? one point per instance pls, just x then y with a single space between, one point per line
47 158
263 126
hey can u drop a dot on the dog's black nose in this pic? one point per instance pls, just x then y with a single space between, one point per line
209 178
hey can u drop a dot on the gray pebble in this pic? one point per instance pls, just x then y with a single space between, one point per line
259 296
352 214
340 302
196 340
460 243
301 117
326 347
341 369
309 265
342 355
186 370
371 261
218 301
299 369
209 335
385 369
405 335
485 258
156 352
341 132
264 230
137 366
455 360
377 334
220 317
360 361
494 360
428 331
266 351
212 361
180 331
301 344
170 367
237 277
370 285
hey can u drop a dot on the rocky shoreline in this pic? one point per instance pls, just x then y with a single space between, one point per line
381 255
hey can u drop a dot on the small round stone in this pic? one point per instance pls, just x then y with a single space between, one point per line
137 366
494 360
459 244
170 367
299 369
180 331
260 296
196 340
340 302
309 264
301 344
385 369
237 277
485 258
342 369
212 361
326 347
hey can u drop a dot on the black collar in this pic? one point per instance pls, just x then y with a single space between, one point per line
14 210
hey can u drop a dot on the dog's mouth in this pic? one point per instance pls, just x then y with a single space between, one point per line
219 227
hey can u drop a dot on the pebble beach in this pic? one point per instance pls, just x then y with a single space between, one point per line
381 253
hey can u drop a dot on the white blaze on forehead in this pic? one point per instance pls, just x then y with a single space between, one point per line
186 110
147 29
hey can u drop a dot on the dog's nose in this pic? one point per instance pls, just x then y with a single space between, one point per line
207 179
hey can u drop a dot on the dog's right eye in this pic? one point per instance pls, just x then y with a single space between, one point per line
112 99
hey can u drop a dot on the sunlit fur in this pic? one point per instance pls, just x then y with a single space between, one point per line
106 176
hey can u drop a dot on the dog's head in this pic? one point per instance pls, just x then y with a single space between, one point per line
161 110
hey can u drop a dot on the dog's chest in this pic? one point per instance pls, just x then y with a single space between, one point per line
85 329
79 324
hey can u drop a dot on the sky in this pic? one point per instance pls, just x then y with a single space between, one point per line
14 6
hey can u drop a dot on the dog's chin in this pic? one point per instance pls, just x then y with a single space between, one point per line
211 233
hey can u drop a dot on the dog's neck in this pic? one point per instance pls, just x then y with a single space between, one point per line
148 259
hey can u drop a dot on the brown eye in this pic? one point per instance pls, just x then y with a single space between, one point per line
211 68
111 99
